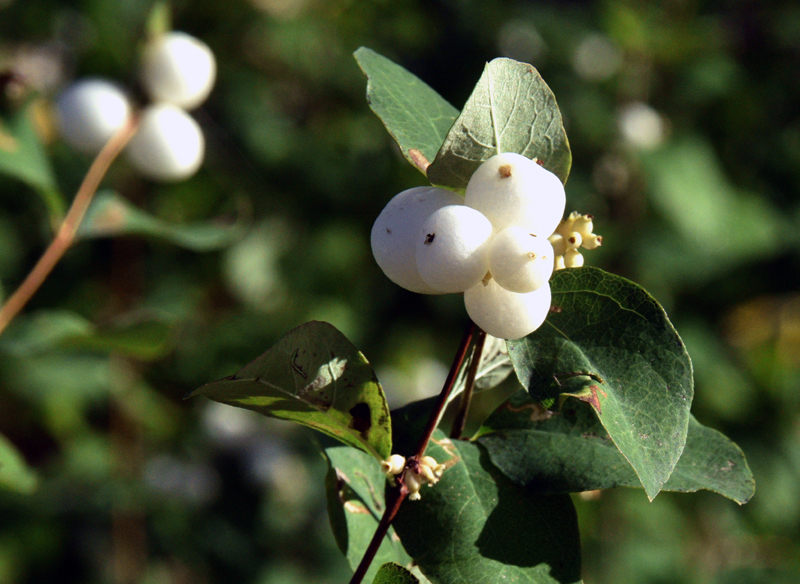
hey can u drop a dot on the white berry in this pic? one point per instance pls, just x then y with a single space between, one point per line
573 259
511 189
520 261
169 145
395 231
177 68
90 112
505 314
452 247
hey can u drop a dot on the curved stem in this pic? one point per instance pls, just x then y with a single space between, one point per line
69 227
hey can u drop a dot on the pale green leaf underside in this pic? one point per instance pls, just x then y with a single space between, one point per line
570 451
355 493
416 116
641 376
314 376
112 215
475 526
393 574
511 109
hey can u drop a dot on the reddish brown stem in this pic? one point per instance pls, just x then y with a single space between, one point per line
398 494
69 227
469 387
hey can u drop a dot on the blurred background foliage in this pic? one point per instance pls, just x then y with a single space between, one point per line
685 130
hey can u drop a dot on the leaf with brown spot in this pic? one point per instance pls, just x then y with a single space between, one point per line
314 376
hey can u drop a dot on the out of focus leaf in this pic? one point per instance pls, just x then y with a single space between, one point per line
609 343
475 525
23 157
316 377
142 338
570 451
511 109
15 474
111 215
355 492
415 115
494 367
393 574
159 21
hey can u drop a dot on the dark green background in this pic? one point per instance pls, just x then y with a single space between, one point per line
138 485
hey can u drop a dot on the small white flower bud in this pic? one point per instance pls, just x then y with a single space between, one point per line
393 465
429 461
426 473
559 243
592 241
565 227
574 240
413 484
583 225
573 259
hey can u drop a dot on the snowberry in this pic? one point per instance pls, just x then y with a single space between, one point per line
520 261
90 112
179 69
395 232
574 240
169 145
451 248
511 189
505 314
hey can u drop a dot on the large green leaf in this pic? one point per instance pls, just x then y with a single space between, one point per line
475 525
415 115
511 109
609 343
355 492
394 574
23 157
570 451
111 215
314 376
15 474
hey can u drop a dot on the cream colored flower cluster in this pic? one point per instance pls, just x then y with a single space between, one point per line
427 471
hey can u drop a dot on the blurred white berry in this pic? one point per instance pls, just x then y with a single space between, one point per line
520 261
89 112
395 231
169 145
641 126
511 189
179 69
452 247
505 314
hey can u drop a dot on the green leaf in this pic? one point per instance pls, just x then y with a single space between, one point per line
15 474
570 451
475 525
23 157
511 109
493 368
609 343
355 492
415 115
139 336
393 574
111 215
314 376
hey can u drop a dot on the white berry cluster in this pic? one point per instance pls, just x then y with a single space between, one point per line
177 72
492 244
426 471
